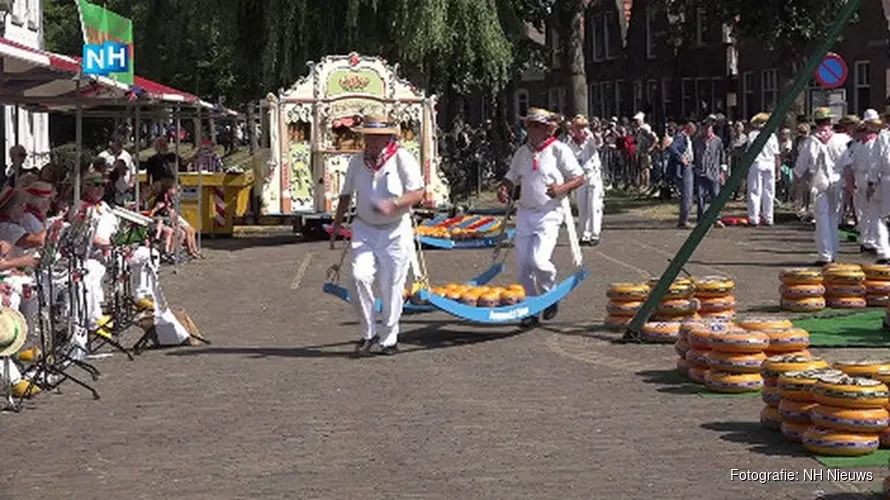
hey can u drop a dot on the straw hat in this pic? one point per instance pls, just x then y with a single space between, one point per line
579 121
540 115
39 189
377 125
93 178
13 331
871 117
760 118
825 113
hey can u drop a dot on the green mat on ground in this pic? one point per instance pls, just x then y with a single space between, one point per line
848 235
879 458
705 393
859 329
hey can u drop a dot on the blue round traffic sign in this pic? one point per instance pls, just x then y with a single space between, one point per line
832 71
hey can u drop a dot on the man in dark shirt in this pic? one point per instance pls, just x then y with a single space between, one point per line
162 165
709 160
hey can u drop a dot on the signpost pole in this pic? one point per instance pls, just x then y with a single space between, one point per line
633 333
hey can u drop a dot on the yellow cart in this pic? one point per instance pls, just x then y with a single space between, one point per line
224 197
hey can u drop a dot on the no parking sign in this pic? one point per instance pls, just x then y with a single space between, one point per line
832 71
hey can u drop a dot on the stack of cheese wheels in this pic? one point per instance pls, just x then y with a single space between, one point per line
795 391
802 290
681 346
844 286
734 360
715 297
697 336
678 303
787 340
883 376
877 284
850 414
625 300
773 368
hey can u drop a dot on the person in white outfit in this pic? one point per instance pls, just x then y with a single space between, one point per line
585 146
762 175
863 160
545 171
386 181
104 224
821 156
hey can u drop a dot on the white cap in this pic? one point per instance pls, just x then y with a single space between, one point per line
639 116
646 128
870 115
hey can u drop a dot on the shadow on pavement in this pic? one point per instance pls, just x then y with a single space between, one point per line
593 332
763 441
754 263
251 241
671 381
851 496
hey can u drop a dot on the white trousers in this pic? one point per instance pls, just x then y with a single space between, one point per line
382 255
536 236
827 208
761 194
144 262
590 210
95 294
865 216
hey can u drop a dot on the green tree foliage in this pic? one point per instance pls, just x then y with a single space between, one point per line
242 49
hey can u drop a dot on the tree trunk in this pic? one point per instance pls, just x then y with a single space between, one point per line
571 46
790 66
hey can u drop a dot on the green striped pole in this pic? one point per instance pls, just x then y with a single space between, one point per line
710 217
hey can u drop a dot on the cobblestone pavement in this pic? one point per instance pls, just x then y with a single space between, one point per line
276 408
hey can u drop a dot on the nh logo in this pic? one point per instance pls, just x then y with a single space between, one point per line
110 57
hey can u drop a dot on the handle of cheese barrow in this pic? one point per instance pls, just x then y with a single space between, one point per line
333 273
502 233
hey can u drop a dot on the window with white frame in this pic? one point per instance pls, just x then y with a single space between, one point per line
19 12
556 99
608 96
638 96
33 8
554 49
650 31
599 36
619 98
748 94
613 34
688 97
862 79
769 88
596 102
667 101
521 103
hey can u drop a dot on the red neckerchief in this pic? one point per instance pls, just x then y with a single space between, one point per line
388 152
710 135
869 137
536 151
36 212
824 134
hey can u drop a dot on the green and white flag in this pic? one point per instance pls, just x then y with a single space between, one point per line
100 25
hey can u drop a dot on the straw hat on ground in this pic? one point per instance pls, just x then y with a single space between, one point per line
377 125
13 331
540 115
760 119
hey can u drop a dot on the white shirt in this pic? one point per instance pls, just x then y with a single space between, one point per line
556 165
11 233
399 175
107 222
123 183
834 151
864 159
587 154
766 159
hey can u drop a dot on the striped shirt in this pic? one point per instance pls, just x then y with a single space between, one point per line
709 156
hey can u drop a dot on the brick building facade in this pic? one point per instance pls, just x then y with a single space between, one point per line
634 65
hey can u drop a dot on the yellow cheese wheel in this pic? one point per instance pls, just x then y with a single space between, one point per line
770 396
801 276
831 442
681 347
677 307
617 322
622 308
662 332
872 300
697 358
764 323
809 304
716 304
688 324
877 272
733 382
714 286
787 339
870 421
697 374
801 291
682 366
842 276
845 290
680 291
846 302
698 334
721 316
775 366
796 411
839 266
850 392
627 292
511 297
862 368
875 287
25 389
489 299
739 341
732 362
794 432
882 376
770 418
797 386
